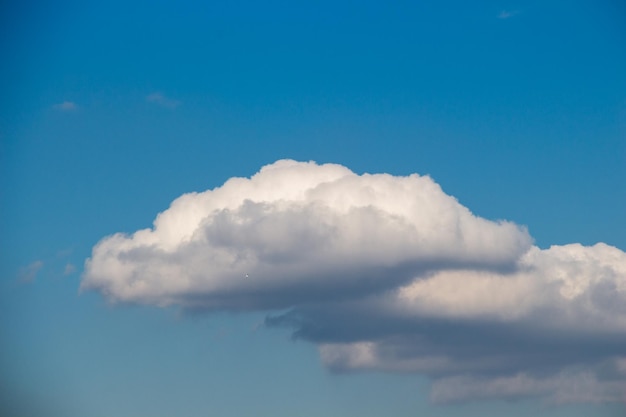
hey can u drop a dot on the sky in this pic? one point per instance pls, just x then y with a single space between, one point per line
312 208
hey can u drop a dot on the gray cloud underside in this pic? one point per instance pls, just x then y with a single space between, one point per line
386 273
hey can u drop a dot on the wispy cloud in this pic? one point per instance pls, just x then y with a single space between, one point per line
162 100
65 106
506 14
28 273
386 273
64 253
69 269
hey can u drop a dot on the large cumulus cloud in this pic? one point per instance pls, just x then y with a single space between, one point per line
301 232
386 273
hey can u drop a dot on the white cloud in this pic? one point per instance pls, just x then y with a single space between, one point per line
579 286
534 331
161 100
301 231
29 272
65 106
385 273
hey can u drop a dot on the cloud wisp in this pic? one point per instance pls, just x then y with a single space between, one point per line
163 101
386 273
66 106
69 269
507 14
28 273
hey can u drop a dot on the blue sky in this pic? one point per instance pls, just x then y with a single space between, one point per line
110 112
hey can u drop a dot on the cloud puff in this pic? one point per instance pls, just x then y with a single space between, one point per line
301 232
69 269
65 106
385 273
554 327
29 272
161 100
506 14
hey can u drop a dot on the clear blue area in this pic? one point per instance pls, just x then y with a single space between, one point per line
520 117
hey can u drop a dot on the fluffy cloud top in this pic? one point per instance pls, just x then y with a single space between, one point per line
300 231
386 273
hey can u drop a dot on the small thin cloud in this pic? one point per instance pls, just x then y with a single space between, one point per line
506 14
64 253
65 106
28 273
162 100
69 269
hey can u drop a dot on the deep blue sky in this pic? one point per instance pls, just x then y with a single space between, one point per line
518 109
